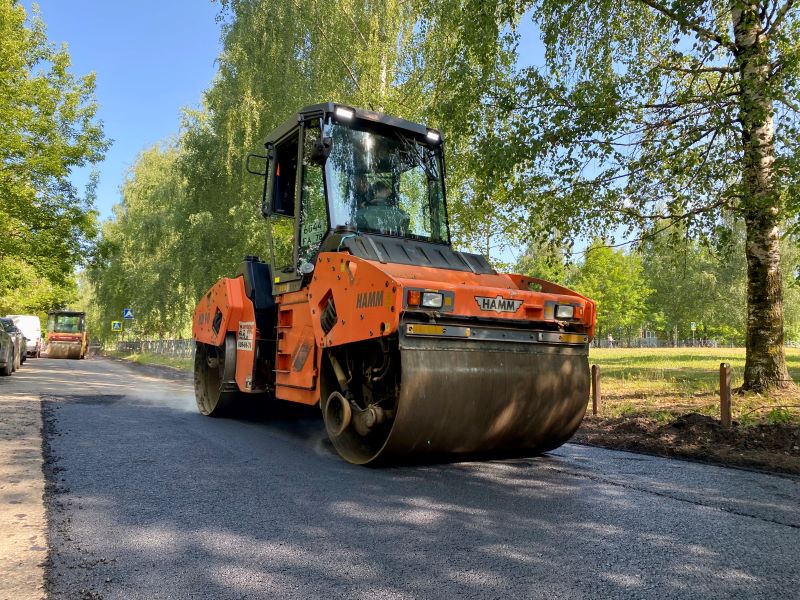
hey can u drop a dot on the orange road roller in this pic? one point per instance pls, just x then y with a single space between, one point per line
411 349
66 334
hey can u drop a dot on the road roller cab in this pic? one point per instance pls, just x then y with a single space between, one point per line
409 346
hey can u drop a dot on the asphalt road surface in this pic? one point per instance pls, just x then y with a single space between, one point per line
146 498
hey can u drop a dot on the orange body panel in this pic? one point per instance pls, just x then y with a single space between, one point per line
226 308
369 300
369 296
298 358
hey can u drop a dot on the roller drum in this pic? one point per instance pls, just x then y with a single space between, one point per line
64 350
471 397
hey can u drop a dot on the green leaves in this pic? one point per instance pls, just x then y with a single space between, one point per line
616 281
47 128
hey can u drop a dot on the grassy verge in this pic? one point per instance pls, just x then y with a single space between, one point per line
184 364
662 383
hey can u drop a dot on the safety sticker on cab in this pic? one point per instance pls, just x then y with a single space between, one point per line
246 335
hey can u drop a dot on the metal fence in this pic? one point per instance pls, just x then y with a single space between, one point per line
185 348
652 342
174 348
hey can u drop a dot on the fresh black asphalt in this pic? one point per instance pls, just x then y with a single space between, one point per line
149 499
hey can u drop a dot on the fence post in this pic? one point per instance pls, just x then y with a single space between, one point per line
596 398
725 394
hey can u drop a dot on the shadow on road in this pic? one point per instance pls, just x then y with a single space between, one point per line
147 500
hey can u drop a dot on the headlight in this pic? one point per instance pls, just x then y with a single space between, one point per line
432 299
565 311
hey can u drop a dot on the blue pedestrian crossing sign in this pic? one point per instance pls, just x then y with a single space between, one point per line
116 325
127 313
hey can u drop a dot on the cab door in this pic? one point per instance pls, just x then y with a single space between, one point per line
313 222
298 357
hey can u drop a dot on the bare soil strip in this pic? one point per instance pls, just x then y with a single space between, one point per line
767 446
23 541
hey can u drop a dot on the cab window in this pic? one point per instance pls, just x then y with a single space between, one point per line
313 212
285 174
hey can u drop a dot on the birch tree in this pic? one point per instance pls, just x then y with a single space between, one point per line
658 111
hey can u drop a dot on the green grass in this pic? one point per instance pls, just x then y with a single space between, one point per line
659 382
185 364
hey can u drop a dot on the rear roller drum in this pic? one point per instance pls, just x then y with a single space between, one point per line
214 377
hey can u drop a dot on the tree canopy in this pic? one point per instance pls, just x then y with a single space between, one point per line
47 128
646 117
677 113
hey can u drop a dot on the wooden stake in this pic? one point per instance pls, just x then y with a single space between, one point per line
596 398
725 394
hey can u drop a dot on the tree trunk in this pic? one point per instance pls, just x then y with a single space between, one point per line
765 365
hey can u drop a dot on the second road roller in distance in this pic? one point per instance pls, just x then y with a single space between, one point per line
411 348
66 334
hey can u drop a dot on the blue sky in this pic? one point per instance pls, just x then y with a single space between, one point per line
151 58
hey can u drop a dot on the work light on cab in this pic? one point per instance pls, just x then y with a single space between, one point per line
344 113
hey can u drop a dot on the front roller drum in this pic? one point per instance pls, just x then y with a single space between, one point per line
64 350
475 398
214 377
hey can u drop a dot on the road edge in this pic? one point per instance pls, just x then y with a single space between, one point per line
24 541
162 370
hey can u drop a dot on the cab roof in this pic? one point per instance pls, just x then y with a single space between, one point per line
316 111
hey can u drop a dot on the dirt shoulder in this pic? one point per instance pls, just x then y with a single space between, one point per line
770 447
23 541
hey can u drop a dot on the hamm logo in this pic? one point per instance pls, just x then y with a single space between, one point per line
369 299
498 304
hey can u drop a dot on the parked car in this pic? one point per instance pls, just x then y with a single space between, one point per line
31 328
8 359
19 340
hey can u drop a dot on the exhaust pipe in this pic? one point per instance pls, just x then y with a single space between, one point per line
337 414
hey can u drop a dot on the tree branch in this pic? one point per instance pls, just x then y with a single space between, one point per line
780 15
693 25
334 49
702 69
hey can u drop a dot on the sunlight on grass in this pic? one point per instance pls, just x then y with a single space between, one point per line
656 382
184 364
